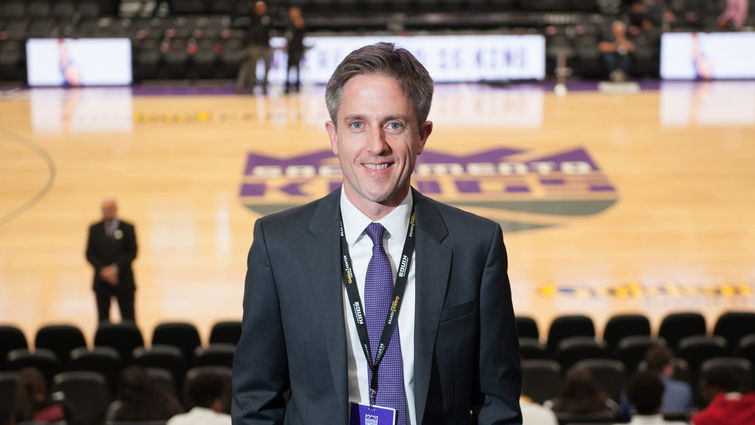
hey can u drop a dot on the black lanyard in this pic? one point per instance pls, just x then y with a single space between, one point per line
357 310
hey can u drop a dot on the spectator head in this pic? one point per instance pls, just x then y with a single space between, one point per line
383 59
31 390
720 379
619 29
645 392
660 360
207 390
260 8
109 209
579 393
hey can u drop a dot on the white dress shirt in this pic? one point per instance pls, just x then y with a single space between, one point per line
360 249
200 416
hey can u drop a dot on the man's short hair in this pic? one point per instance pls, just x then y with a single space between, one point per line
658 357
385 59
722 378
203 389
645 392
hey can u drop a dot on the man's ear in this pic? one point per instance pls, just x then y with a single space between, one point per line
424 132
333 134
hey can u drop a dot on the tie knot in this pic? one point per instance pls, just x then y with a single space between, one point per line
375 232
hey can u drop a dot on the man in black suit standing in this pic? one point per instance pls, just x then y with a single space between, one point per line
376 304
111 248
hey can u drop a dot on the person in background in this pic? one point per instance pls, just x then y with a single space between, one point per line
580 395
616 49
111 248
257 47
295 47
722 387
535 414
34 403
158 3
207 393
139 398
736 12
677 395
645 393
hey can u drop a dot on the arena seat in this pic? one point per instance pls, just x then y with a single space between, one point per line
11 337
86 393
733 326
164 378
217 354
608 374
575 349
60 339
8 382
104 360
677 326
541 379
227 332
165 357
123 337
631 350
182 335
532 348
567 326
527 327
44 360
623 325
743 367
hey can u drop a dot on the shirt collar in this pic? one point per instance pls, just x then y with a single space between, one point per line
395 223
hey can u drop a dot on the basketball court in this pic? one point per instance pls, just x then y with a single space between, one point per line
610 202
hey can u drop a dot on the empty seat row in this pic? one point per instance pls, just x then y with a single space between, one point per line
731 326
61 340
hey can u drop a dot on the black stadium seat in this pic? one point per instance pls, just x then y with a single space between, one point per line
623 325
527 327
568 326
165 357
677 326
218 354
8 381
11 337
608 374
734 325
164 379
86 393
123 337
182 335
575 349
743 369
60 339
44 360
631 350
227 332
104 360
531 348
698 348
541 379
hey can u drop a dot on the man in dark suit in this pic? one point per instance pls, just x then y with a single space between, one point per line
453 348
111 248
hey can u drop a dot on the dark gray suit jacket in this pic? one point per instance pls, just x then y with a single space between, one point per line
466 353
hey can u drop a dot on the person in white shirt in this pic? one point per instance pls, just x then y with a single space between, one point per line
535 414
207 393
645 393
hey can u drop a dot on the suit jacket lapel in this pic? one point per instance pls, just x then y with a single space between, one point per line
326 292
433 261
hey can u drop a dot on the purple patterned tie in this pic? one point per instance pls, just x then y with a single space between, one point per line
378 292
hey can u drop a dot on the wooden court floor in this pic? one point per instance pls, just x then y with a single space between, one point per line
661 220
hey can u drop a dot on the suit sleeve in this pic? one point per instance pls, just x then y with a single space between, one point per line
91 253
260 367
500 371
128 254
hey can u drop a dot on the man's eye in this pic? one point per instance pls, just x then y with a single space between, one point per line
395 125
357 124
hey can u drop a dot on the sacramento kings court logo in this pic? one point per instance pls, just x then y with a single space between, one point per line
520 189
